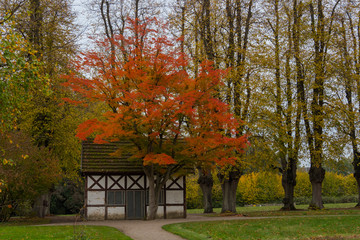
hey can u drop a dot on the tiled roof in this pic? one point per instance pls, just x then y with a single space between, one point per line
101 158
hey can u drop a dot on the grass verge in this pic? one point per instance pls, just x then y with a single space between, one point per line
308 227
266 211
61 232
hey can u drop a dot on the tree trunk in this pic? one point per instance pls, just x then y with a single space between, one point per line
229 186
206 183
153 199
356 164
358 187
289 183
41 205
317 175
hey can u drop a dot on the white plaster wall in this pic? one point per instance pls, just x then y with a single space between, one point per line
115 213
174 211
181 181
89 182
96 186
122 182
142 181
95 197
174 197
96 213
159 213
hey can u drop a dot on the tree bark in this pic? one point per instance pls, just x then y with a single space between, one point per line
229 186
153 199
36 21
289 182
206 183
155 183
41 205
317 175
349 83
356 165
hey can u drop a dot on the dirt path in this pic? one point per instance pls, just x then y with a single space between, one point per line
146 230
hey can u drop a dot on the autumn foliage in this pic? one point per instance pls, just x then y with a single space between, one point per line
28 172
173 119
153 101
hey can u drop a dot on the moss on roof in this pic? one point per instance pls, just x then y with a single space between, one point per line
113 157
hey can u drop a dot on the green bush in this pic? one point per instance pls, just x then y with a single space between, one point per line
68 197
32 172
302 200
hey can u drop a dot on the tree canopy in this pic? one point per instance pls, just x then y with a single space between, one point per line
156 104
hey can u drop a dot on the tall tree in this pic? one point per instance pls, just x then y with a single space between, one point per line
314 118
346 89
47 27
239 27
157 106
198 43
17 79
292 139
17 74
282 113
220 32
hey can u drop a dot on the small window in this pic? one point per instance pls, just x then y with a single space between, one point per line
160 200
115 198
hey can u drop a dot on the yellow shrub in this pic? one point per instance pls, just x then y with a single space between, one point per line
333 185
247 188
349 185
193 192
265 187
261 187
303 185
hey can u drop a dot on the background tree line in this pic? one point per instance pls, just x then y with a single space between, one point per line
293 81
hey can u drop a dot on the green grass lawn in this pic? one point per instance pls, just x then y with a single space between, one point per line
258 211
346 224
60 232
306 227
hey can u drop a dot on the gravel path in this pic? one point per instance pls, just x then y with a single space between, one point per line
149 230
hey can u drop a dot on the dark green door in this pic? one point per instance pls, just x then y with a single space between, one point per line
135 205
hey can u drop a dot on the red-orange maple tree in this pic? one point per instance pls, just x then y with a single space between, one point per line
173 119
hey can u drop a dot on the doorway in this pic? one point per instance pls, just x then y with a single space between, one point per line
135 204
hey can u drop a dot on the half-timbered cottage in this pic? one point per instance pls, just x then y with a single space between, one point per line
116 186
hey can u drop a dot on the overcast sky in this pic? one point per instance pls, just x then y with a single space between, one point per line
82 20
